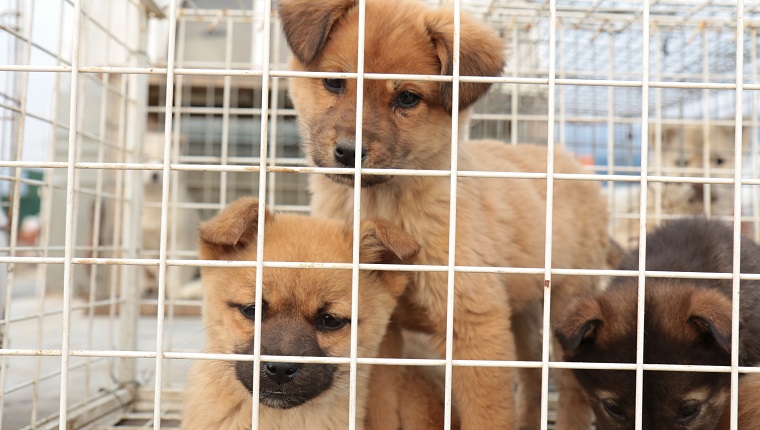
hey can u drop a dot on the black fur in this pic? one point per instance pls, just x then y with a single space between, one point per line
287 336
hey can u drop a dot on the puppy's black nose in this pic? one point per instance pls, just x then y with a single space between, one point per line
281 373
345 152
154 177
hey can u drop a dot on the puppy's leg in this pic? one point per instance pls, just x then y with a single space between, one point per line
386 382
527 329
573 409
484 396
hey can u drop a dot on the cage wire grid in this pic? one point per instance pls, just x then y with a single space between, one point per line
566 82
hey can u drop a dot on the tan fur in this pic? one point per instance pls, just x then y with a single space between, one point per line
406 397
682 154
216 398
500 222
749 405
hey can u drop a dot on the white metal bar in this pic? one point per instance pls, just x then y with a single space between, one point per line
361 360
356 213
228 38
160 309
363 266
562 89
735 296
383 361
379 76
275 113
754 156
173 277
515 132
265 53
549 216
645 24
450 287
706 132
209 135
407 172
70 221
196 68
657 128
612 221
575 14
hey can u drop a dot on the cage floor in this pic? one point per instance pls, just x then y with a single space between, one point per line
141 416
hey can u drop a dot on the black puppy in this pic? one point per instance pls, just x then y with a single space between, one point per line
686 321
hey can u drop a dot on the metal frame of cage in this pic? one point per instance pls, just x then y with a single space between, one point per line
555 80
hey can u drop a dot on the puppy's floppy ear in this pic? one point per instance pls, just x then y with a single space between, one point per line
710 316
307 24
383 242
671 136
481 53
581 325
235 226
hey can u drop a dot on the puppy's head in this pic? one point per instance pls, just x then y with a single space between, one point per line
306 312
683 325
406 123
153 179
685 153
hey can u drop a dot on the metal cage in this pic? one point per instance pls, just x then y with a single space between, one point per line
121 115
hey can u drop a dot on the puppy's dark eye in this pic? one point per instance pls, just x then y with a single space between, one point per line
334 85
249 311
688 410
330 322
614 410
719 161
407 100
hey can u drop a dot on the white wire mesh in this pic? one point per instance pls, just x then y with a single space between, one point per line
86 295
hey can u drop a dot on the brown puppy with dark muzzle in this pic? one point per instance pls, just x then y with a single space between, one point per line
306 312
500 222
686 322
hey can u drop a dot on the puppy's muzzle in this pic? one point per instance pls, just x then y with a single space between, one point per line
699 194
345 152
281 373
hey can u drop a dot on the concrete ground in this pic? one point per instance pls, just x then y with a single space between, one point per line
89 378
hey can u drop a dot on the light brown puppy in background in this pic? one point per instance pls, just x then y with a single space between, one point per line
500 222
683 152
305 312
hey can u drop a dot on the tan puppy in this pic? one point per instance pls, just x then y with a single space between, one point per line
500 222
306 312
684 151
749 405
683 154
686 321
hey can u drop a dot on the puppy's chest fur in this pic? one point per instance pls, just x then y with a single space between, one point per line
308 416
